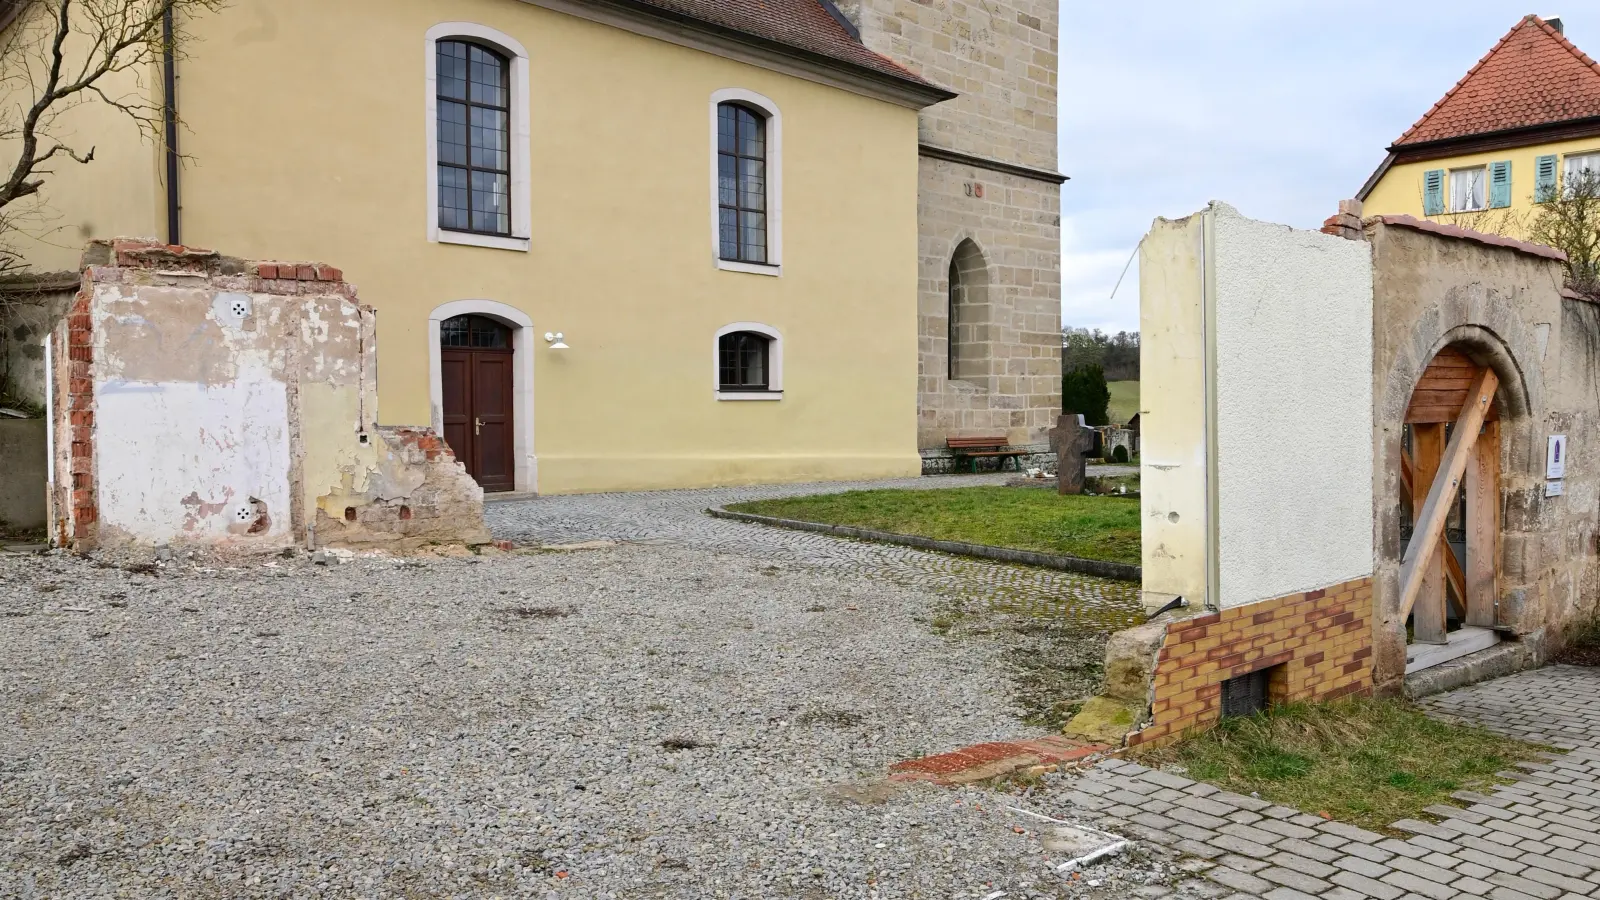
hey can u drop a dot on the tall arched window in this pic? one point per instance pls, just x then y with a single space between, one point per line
741 183
474 138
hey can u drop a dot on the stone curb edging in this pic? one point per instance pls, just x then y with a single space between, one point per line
1118 571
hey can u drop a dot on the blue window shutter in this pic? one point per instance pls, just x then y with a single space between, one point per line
1544 178
1433 192
1500 185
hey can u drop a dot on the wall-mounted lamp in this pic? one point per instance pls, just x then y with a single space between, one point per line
554 339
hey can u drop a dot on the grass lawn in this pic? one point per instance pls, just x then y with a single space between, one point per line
1366 762
1104 528
1124 401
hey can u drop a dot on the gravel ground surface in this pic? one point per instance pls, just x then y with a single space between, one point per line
631 722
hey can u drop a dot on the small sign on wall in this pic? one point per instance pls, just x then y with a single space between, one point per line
1555 461
1554 488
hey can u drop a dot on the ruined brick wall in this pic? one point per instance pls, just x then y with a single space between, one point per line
210 400
986 176
1318 645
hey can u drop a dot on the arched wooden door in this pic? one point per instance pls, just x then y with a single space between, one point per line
475 374
1452 485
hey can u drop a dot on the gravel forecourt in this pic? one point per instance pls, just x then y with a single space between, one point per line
637 721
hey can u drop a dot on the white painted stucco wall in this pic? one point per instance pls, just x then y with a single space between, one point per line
1256 409
1293 370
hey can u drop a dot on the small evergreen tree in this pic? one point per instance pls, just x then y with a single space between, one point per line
1084 391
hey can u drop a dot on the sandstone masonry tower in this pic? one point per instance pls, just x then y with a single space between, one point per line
990 211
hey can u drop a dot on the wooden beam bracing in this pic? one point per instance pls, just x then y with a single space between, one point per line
1429 532
1429 623
1483 527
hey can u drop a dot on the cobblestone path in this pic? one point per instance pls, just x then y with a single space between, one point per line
679 517
1535 839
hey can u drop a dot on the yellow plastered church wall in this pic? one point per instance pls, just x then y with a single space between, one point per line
307 129
117 192
1399 192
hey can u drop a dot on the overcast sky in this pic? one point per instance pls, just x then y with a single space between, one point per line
1278 108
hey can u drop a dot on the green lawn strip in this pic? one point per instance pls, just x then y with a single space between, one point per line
1124 401
1369 763
1103 528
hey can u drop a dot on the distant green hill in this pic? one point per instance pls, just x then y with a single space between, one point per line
1124 401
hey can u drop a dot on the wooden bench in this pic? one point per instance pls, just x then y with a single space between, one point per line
970 448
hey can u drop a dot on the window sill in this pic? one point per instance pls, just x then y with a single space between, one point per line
493 242
749 395
728 265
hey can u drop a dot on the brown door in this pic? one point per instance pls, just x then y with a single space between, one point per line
476 381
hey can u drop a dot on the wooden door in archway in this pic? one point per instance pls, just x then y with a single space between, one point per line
1451 474
475 374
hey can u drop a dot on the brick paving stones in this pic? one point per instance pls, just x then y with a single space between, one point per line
1536 838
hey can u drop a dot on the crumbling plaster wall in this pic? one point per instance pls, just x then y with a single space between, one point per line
204 399
1503 306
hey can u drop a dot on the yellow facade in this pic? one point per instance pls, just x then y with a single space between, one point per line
1400 192
307 138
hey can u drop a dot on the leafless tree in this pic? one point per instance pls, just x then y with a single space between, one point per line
1569 221
57 55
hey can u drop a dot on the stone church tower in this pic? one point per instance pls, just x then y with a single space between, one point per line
990 211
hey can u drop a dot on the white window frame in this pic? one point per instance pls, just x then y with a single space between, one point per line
774 264
521 137
1567 161
1483 179
774 338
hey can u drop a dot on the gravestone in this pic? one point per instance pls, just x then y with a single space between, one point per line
1073 441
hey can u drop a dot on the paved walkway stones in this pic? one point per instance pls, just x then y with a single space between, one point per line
1538 837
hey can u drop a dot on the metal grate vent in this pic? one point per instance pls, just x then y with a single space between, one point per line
1245 695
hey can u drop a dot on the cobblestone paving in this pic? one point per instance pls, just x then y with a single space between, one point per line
679 517
1535 839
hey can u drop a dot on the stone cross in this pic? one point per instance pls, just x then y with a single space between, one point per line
1073 441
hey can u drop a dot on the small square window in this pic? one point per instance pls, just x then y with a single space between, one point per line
1467 190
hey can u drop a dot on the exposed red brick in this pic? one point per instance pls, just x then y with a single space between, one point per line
266 270
1312 659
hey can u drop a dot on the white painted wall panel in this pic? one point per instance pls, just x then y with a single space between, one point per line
179 457
1293 372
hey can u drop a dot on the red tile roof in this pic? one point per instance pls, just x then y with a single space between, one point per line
1533 76
1467 234
801 24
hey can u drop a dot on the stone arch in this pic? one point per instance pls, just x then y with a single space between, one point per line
968 313
1484 327
523 345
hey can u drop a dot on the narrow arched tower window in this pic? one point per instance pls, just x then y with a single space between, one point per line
474 139
953 312
968 314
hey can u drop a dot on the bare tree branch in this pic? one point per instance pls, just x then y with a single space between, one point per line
57 55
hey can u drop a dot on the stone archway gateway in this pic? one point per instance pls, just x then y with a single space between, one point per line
1345 486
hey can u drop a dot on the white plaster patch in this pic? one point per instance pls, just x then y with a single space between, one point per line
183 458
1293 370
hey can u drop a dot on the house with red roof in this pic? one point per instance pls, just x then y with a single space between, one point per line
1523 121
